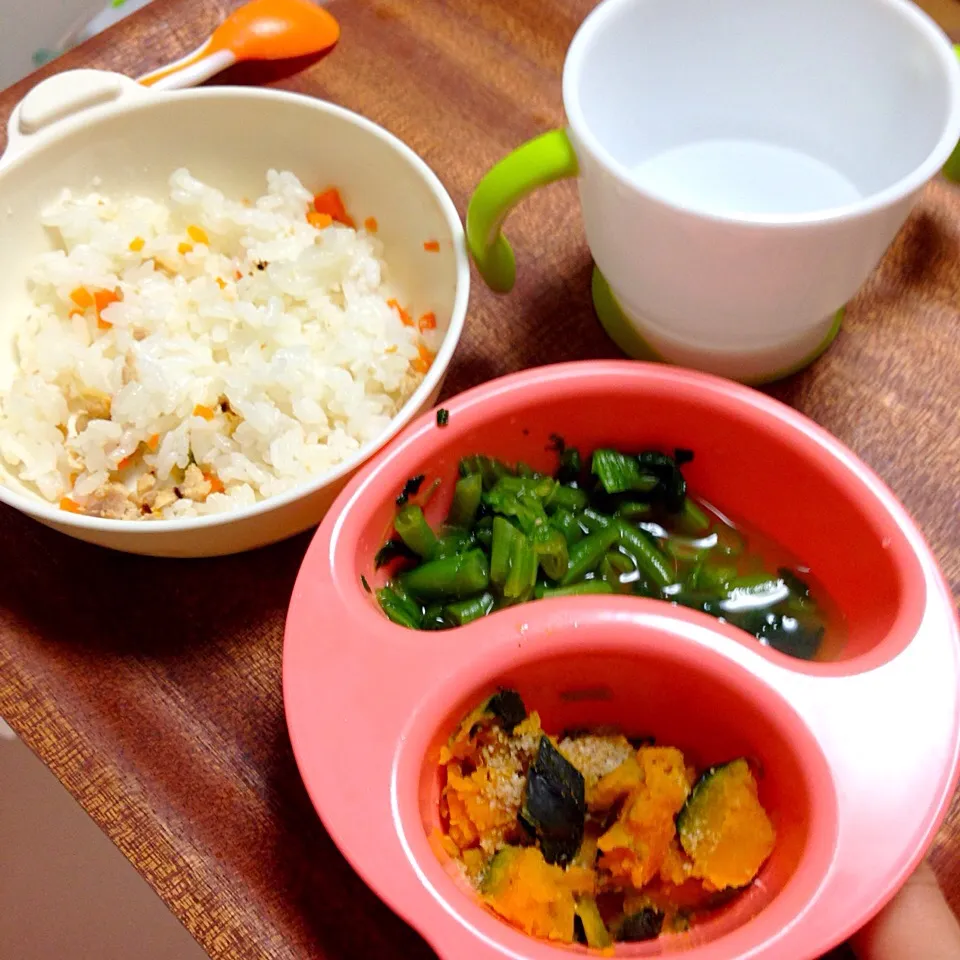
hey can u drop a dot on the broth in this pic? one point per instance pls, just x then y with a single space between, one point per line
762 553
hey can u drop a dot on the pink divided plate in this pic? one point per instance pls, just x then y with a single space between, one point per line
859 755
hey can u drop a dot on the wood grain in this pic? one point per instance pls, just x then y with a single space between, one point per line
152 688
946 13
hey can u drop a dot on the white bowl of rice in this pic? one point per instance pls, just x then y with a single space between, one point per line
217 304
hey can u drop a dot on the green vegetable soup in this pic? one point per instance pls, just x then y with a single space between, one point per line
611 523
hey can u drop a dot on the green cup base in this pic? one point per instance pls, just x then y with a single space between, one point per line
625 335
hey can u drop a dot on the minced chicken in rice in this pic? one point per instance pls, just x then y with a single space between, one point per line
200 354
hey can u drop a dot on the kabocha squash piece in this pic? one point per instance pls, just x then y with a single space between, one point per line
677 867
534 895
460 827
595 755
486 762
505 708
499 873
591 923
632 850
587 854
515 807
483 792
645 924
675 888
554 805
474 862
691 896
617 784
462 744
481 807
666 775
636 846
724 829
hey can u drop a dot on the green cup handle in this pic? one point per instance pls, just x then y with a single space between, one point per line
951 169
540 161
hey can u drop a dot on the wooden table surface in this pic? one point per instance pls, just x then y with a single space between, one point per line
152 688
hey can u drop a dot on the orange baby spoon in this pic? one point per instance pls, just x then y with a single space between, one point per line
259 30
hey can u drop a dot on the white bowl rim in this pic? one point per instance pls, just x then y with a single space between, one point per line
33 505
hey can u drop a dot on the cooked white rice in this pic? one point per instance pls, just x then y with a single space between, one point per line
252 354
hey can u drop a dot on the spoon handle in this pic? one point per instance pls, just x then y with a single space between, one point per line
257 30
191 70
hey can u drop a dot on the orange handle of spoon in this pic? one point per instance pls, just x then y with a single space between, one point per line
259 30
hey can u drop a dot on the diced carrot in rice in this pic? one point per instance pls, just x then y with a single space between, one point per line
405 317
102 299
330 202
216 484
198 234
423 360
319 220
82 297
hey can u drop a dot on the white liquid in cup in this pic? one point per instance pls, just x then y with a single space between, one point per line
744 177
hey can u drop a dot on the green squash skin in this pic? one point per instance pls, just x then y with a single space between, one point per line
508 707
594 929
505 708
645 924
691 811
498 870
554 804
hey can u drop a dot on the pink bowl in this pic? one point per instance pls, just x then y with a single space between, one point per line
860 756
